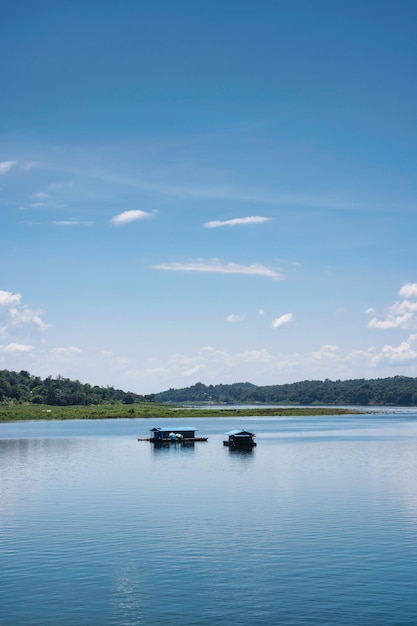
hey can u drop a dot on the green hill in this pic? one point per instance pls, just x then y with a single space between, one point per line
22 387
395 391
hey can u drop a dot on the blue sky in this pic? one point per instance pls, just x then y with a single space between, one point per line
215 192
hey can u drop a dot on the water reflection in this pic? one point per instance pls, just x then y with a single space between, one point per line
241 451
244 457
175 447
93 530
127 596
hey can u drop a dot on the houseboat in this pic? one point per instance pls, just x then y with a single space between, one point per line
239 439
174 434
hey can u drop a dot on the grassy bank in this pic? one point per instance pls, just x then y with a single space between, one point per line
11 413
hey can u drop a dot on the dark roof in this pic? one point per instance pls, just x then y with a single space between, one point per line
173 429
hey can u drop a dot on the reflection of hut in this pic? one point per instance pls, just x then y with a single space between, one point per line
175 433
239 439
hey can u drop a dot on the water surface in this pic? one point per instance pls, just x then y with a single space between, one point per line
318 525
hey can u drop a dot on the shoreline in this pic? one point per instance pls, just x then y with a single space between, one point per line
19 413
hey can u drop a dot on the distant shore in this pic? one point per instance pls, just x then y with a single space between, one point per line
23 412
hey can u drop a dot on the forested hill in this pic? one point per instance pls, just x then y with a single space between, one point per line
23 387
396 391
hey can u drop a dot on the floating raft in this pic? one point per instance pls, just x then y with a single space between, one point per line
179 434
163 440
239 439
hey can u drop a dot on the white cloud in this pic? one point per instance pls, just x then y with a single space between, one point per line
14 316
210 354
402 314
399 321
67 351
261 312
41 195
7 298
281 321
214 265
234 318
194 370
16 347
327 352
238 221
406 351
256 355
6 166
262 367
127 217
22 316
409 290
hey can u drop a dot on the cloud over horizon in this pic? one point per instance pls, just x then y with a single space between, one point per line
401 314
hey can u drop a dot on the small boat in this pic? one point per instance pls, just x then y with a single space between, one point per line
239 439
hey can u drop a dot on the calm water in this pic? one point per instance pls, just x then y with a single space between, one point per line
317 526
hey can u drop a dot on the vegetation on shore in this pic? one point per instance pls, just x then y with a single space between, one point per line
25 412
27 397
22 387
394 391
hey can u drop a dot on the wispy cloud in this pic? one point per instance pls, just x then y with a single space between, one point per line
127 217
41 195
67 351
281 321
215 265
233 318
238 221
71 223
29 165
6 166
16 347
401 314
243 193
61 185
197 369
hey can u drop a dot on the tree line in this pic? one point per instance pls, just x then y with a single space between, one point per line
22 387
395 391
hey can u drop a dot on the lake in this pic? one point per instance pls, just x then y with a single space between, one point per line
317 525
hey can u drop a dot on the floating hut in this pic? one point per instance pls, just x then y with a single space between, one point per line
239 439
174 434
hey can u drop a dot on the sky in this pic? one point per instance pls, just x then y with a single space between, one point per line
211 192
